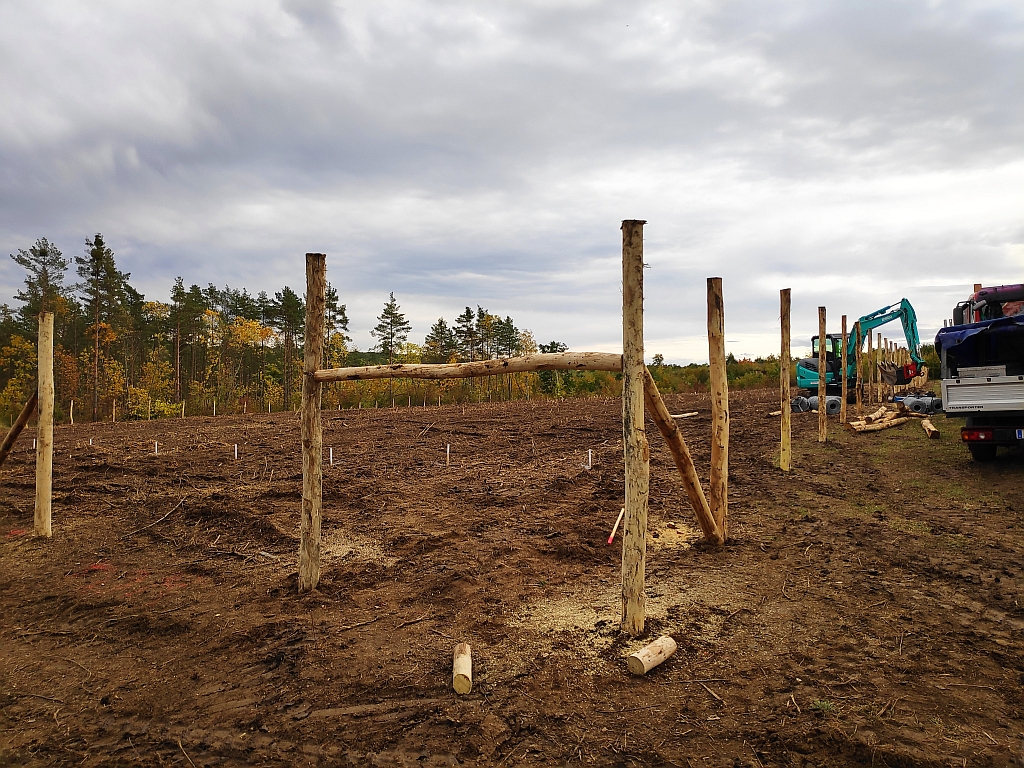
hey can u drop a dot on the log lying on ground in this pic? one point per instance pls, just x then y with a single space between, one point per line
883 424
462 668
930 429
19 425
558 361
876 415
650 656
684 462
775 413
685 415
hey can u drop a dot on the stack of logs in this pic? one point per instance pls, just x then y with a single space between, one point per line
884 418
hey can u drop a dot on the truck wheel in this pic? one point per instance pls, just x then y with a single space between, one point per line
982 452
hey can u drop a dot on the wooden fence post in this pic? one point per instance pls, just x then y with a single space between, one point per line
842 407
636 448
878 371
44 429
858 387
718 485
869 372
822 373
785 359
312 429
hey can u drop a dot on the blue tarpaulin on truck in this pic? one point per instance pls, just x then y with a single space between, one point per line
958 334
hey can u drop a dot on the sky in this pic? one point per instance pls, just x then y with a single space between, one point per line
466 153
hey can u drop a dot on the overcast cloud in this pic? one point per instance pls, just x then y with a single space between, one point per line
462 152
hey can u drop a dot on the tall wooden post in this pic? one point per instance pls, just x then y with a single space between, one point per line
822 374
634 440
785 358
44 428
878 370
842 407
869 372
718 487
312 429
859 385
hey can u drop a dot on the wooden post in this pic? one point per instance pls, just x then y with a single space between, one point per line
718 486
71 413
822 372
869 372
635 446
684 462
312 429
785 358
18 426
859 386
842 407
878 371
44 428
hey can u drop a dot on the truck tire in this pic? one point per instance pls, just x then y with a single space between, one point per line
986 452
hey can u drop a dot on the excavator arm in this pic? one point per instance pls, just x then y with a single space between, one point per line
905 313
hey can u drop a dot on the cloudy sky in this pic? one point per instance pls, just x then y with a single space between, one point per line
463 152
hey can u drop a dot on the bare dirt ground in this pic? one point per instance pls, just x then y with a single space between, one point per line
868 609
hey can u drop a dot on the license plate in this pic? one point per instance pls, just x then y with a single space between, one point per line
1020 434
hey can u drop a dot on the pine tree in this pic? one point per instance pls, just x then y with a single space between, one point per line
44 284
289 315
103 287
467 335
392 329
440 344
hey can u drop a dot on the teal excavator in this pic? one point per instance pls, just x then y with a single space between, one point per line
807 369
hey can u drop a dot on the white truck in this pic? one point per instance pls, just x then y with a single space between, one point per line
982 356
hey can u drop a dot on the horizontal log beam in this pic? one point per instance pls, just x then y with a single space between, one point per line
560 361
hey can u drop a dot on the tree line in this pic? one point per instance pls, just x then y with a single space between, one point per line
225 350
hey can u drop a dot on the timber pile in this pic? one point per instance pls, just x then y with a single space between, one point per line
881 419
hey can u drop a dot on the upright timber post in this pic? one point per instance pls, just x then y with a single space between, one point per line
634 441
785 357
44 429
845 362
312 430
858 386
869 373
878 369
718 485
822 375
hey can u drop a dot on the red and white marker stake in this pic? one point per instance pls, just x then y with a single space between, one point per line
616 527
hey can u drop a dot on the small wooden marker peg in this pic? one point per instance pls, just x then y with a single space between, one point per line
650 656
462 669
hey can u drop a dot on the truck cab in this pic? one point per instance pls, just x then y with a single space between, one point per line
982 354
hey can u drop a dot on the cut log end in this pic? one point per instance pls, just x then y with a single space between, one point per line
462 669
930 429
650 656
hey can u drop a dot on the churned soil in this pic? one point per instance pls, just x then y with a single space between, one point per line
867 608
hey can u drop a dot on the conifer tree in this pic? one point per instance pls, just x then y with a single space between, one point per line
44 284
440 344
103 287
392 329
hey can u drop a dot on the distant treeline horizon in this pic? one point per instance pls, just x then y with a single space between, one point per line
206 350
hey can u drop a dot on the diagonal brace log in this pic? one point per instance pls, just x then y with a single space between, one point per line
18 426
684 462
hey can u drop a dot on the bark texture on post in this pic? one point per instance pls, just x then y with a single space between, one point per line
842 407
718 487
858 386
18 426
44 428
634 440
684 462
312 429
785 357
822 374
